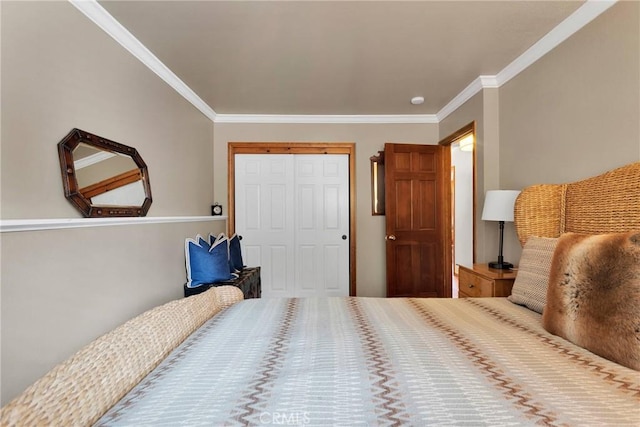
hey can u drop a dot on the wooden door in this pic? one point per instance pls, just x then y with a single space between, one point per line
418 230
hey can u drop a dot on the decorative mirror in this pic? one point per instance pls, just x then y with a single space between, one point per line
103 178
377 183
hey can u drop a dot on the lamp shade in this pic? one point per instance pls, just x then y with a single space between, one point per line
498 205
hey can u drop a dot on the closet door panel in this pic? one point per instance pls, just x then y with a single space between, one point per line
293 214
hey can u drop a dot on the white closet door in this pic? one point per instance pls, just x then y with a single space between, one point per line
322 225
293 211
264 218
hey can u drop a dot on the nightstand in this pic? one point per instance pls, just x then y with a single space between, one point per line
482 281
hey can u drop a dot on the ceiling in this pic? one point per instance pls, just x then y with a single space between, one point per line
335 57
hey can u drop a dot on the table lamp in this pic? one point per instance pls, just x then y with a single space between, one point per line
498 206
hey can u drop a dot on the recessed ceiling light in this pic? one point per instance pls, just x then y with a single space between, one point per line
417 100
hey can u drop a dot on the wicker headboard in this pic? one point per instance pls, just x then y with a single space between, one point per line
607 203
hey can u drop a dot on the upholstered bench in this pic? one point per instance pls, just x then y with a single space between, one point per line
248 282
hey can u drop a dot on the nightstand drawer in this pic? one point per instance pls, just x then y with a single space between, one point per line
474 286
481 281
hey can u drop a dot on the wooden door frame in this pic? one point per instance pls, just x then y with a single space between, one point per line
348 148
469 128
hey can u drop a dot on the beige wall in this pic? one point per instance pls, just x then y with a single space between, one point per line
60 71
575 113
61 289
470 111
369 139
482 109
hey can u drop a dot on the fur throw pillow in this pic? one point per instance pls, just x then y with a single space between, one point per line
593 297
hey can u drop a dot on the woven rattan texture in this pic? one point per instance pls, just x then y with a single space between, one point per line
607 203
81 389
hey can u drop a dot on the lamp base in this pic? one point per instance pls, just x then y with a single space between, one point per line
501 265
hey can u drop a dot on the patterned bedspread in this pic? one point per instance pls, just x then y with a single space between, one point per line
380 362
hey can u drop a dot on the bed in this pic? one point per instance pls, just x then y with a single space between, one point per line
216 359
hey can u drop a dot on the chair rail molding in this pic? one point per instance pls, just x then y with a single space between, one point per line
16 225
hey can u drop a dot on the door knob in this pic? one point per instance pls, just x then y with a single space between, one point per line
344 237
391 237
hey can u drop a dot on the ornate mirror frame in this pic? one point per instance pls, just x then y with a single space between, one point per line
70 182
377 184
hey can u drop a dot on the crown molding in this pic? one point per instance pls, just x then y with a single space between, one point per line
15 225
92 159
586 13
574 22
326 119
96 13
473 88
489 82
